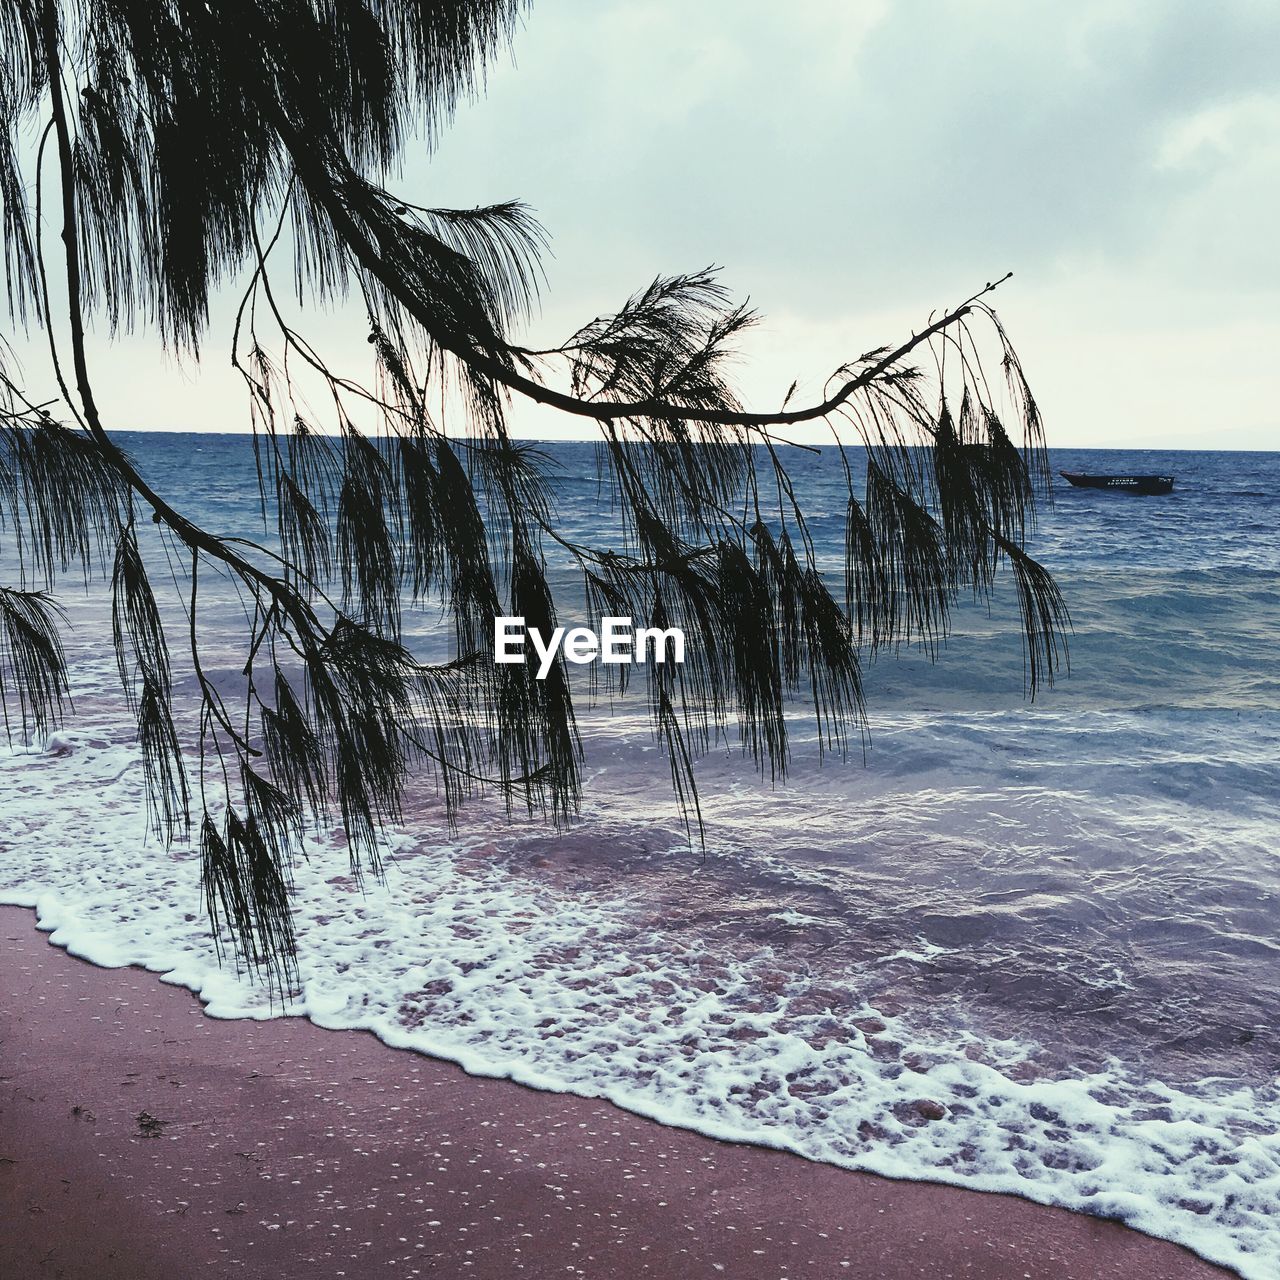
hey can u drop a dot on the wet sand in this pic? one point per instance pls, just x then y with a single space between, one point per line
141 1139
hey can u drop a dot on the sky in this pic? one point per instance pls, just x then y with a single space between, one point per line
854 167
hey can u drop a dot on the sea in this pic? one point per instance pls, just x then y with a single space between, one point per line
1014 944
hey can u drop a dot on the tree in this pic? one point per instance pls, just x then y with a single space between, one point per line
181 144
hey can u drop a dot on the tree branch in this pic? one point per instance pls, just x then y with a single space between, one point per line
318 181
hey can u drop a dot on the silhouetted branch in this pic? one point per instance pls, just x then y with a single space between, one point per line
181 131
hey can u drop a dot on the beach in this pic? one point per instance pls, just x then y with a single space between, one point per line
524 755
1021 948
140 1138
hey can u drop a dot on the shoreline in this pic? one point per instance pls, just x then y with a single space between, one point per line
140 1138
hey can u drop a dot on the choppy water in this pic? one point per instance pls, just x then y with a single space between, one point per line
1028 947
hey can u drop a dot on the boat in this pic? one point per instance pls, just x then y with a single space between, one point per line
1144 485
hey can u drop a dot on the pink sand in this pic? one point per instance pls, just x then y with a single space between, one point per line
140 1139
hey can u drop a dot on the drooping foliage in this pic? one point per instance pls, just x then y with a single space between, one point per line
180 145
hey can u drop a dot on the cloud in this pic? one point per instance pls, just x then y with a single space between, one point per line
850 163
871 147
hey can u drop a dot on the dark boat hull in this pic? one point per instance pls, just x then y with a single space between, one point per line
1143 485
